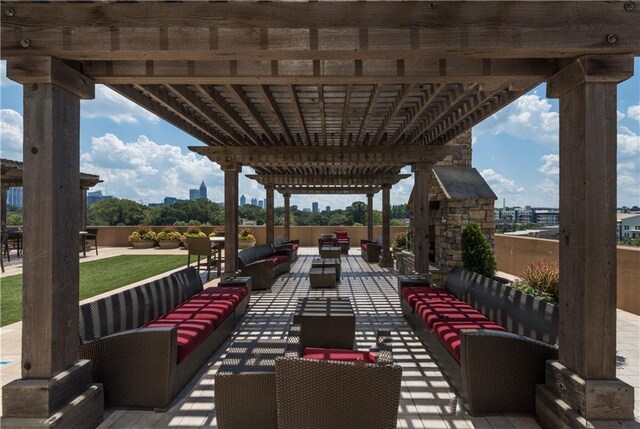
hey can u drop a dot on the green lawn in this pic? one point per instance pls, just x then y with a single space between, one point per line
96 277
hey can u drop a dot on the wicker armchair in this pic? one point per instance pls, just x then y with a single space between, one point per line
333 394
327 240
370 250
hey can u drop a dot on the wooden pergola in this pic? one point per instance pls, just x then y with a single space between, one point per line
345 93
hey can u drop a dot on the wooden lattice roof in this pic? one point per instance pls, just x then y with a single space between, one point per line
11 175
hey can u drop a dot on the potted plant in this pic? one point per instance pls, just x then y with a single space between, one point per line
540 279
217 232
169 238
246 238
143 238
192 231
477 255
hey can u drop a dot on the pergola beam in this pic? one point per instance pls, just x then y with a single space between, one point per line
201 31
288 156
327 179
329 190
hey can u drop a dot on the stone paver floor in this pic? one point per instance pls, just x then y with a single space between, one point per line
427 400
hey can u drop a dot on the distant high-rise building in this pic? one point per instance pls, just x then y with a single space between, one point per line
261 204
203 190
314 207
96 196
14 197
194 194
170 200
254 201
243 200
328 209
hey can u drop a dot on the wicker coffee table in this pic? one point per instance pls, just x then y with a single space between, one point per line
324 277
330 252
245 385
326 322
327 263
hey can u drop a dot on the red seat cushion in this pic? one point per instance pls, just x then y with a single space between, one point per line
295 246
328 243
448 332
279 259
342 235
364 246
413 294
436 310
337 354
235 293
190 333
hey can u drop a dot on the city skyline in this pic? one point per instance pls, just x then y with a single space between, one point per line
142 158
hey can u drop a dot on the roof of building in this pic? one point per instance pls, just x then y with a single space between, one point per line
624 216
12 175
459 183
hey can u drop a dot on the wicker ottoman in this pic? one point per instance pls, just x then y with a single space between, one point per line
236 281
330 252
327 263
326 322
245 385
322 277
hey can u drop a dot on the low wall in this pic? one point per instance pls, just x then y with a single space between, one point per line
117 236
513 254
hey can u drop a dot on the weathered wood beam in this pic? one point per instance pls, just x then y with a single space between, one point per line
159 110
375 93
203 30
272 105
246 104
328 190
392 69
201 108
323 119
326 179
404 92
345 112
228 111
298 111
287 156
51 70
426 102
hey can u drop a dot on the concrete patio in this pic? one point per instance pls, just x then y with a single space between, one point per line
427 400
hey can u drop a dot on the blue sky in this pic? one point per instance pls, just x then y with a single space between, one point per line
145 159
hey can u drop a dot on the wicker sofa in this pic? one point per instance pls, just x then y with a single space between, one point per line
338 389
370 250
499 336
148 341
263 263
291 245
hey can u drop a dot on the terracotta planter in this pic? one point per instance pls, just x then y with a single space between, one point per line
243 244
169 244
144 244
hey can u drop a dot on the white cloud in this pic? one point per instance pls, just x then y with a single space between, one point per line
628 141
11 134
144 170
113 106
551 165
634 112
550 186
620 115
504 187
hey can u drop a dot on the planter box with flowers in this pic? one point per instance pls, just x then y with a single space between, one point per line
193 231
143 238
246 238
169 238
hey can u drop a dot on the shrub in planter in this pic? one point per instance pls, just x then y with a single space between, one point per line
143 237
218 232
169 238
401 242
477 255
541 279
246 238
192 231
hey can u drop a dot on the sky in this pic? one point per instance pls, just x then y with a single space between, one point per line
143 158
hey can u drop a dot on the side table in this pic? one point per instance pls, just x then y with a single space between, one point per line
325 322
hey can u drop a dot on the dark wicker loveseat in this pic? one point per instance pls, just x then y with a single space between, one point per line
291 245
148 341
500 337
370 250
263 263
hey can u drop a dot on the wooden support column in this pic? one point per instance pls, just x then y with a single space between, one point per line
269 220
422 173
83 209
287 216
231 171
386 259
584 377
53 377
370 217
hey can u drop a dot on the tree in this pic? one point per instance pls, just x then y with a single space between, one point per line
201 211
357 213
477 255
115 211
254 213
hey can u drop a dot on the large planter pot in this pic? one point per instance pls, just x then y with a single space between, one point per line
169 244
243 244
144 244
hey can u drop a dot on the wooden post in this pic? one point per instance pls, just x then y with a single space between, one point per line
50 292
269 221
370 217
584 378
83 209
386 259
287 216
422 173
230 218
